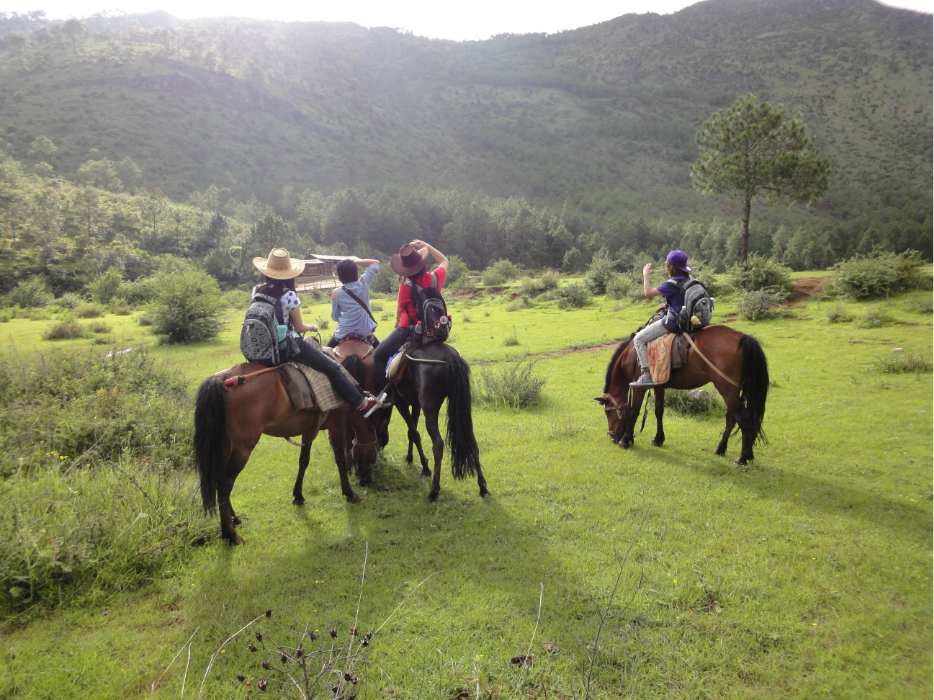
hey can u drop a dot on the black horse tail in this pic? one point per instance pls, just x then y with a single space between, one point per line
210 428
460 437
755 382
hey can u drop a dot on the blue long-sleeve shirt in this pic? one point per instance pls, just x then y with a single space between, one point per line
350 316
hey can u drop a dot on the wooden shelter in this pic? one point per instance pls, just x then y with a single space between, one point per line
320 272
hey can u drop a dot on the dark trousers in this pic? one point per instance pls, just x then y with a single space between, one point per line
371 339
314 358
387 348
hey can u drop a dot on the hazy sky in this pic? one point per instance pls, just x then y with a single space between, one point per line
444 19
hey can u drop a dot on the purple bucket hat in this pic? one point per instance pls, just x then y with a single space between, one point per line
678 259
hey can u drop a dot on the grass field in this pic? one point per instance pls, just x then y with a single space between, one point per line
807 574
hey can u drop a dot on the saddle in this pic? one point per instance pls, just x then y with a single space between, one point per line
665 354
309 388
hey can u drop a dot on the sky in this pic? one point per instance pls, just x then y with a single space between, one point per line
438 19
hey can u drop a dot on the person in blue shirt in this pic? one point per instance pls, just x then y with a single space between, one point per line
353 318
673 290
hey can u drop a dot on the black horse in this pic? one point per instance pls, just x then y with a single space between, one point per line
436 372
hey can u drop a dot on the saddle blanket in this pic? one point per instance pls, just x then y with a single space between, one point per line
665 354
394 361
309 388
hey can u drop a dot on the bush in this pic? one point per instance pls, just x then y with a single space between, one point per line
760 304
99 327
457 271
376 306
572 296
511 340
68 300
838 315
520 303
119 307
66 330
136 293
762 273
618 286
692 403
32 293
512 386
504 268
89 311
492 278
106 287
879 274
601 270
875 319
322 323
187 307
900 362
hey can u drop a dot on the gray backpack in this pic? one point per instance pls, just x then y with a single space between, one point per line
698 304
259 336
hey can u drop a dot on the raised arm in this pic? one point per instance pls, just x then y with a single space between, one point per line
434 252
646 285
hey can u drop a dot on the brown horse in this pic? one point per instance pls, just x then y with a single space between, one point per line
357 358
434 372
230 420
744 387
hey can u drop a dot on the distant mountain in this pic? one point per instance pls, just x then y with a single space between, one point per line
601 119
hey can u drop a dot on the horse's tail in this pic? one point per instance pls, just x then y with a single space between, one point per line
460 437
210 428
755 382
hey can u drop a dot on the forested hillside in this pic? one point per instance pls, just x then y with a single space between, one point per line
539 148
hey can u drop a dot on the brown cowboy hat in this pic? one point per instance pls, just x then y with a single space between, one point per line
408 261
279 266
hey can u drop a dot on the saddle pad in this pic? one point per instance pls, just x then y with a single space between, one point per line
309 388
393 365
665 354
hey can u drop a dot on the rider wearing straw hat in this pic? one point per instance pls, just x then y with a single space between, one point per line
279 273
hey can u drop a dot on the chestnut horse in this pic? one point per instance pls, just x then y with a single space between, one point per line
744 387
357 358
230 420
436 371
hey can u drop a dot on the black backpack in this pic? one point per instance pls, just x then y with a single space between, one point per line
259 336
698 305
431 310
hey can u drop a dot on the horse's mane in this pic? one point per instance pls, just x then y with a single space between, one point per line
616 353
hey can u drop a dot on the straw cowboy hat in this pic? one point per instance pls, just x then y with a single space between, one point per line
279 266
408 261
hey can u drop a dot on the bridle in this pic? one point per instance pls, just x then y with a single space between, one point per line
618 409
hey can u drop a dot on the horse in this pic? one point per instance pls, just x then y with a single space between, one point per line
357 358
736 366
433 372
230 416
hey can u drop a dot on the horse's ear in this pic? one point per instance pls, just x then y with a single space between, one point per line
600 400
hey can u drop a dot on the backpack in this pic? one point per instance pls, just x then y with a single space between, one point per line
698 304
261 338
431 310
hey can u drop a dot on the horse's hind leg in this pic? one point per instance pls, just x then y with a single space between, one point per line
730 424
411 422
235 464
437 448
298 499
659 438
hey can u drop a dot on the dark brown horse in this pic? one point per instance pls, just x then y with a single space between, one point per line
743 384
436 372
357 358
230 420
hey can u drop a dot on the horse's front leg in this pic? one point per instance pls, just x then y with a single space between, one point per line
411 422
298 499
437 448
629 437
235 464
659 438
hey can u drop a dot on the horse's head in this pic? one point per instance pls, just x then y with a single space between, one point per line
617 413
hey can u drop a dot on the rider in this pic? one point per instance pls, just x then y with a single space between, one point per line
279 273
353 317
673 290
408 262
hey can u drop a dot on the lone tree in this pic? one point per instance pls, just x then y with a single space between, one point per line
750 149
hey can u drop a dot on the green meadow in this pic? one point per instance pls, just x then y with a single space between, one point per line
650 573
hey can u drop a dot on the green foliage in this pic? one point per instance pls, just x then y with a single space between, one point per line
838 315
492 278
187 307
602 269
66 330
760 304
875 318
513 385
879 274
761 273
89 311
573 295
104 288
900 362
511 340
457 271
501 269
534 286
694 402
519 303
618 286
751 149
68 300
30 293
99 327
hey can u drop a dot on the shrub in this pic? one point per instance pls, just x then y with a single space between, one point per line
691 403
512 386
875 319
900 362
504 268
236 299
66 330
511 340
144 320
492 278
838 315
89 311
138 292
572 296
520 303
466 318
457 271
106 287
99 327
879 274
187 307
601 270
120 309
529 286
376 306
762 273
618 286
926 307
31 293
760 304
68 300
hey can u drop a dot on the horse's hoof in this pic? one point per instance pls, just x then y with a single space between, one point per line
432 498
625 444
484 493
235 540
426 472
657 443
353 498
237 521
719 453
298 501
741 461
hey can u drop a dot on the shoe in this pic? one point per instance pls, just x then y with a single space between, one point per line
370 404
644 381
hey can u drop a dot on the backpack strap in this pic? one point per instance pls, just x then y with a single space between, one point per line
360 301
